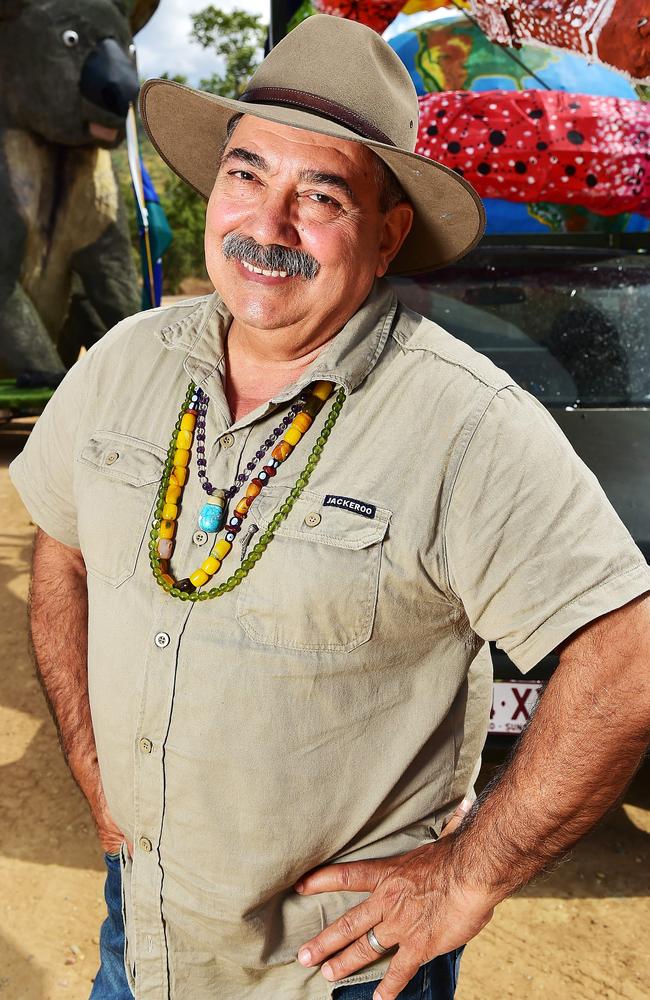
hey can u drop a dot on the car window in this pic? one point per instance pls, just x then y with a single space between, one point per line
570 325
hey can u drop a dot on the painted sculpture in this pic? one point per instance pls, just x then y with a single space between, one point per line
543 145
613 32
534 178
67 75
452 56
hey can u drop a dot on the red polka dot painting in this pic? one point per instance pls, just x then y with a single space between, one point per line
536 145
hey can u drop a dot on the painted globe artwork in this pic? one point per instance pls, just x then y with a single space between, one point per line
453 55
613 32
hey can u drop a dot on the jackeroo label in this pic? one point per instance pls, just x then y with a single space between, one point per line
348 503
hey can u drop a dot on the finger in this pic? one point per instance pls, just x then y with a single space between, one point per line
456 818
451 825
356 956
354 876
464 807
398 975
350 925
110 842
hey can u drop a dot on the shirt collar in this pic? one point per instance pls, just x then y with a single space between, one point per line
346 360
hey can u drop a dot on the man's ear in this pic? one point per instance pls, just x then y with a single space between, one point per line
397 225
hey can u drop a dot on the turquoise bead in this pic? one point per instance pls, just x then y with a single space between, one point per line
210 517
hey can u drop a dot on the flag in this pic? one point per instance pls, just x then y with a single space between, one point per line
155 233
160 236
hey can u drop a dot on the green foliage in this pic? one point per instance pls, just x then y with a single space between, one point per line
176 78
185 211
305 10
237 37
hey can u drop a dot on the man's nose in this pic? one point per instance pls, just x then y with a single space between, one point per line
274 219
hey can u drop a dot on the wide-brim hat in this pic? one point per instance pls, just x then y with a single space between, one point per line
339 78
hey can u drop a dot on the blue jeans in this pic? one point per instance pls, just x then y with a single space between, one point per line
436 980
111 982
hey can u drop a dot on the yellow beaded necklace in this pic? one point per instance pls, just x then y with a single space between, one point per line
174 478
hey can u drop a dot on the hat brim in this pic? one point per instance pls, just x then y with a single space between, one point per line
188 128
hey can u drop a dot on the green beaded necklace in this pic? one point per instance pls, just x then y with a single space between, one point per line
170 473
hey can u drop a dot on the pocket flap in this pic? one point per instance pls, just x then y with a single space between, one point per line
123 458
335 526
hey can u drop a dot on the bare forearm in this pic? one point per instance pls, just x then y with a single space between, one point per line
572 764
58 611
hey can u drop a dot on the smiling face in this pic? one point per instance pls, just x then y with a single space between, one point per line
304 208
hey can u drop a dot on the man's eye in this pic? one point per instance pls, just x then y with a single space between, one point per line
243 175
323 199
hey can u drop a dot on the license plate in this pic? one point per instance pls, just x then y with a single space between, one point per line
512 704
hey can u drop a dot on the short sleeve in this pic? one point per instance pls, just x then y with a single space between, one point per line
43 472
534 548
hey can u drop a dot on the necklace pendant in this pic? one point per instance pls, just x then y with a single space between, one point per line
212 511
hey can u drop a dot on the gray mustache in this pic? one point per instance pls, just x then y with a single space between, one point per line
296 263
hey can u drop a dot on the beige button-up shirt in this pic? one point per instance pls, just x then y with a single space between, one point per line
334 705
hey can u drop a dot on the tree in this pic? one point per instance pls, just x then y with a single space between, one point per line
176 78
185 211
238 39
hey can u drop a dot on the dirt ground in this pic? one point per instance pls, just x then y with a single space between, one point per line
581 933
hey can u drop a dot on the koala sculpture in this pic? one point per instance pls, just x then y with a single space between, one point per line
67 76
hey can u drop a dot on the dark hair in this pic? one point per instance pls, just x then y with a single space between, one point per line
230 128
390 190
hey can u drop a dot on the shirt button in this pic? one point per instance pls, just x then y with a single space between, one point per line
312 519
145 745
145 844
161 639
199 537
112 457
227 441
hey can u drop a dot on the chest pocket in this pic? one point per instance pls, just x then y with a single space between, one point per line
316 585
116 480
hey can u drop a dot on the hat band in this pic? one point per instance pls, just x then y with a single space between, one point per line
321 106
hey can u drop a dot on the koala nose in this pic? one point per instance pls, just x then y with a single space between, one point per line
109 78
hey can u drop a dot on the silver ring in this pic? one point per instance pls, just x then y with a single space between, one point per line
374 943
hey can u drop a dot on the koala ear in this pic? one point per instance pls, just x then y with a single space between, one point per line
11 8
141 12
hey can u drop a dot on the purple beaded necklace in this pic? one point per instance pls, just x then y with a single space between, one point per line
202 403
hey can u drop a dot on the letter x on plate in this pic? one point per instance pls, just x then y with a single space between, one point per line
512 704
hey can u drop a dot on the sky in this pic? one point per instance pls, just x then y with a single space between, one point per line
163 45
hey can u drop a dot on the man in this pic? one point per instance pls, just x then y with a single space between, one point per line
275 744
